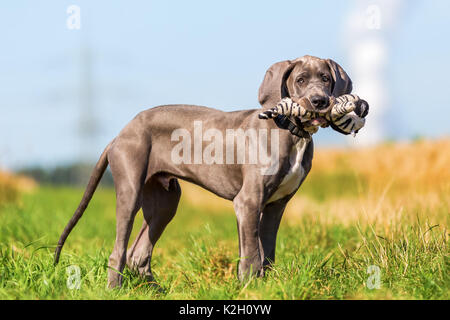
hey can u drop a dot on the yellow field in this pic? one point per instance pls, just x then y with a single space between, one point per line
12 185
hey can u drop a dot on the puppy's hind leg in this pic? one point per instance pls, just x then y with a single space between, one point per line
159 205
128 168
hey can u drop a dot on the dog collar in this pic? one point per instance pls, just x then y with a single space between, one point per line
283 122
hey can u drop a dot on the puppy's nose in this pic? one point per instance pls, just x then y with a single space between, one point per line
319 102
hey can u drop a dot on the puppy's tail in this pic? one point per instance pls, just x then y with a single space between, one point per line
96 175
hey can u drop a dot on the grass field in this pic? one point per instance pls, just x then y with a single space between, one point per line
386 207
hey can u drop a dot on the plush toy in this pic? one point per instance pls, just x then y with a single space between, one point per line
346 114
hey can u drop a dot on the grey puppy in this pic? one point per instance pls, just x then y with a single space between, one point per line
146 177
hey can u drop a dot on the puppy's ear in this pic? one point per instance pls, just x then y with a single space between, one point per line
273 88
342 82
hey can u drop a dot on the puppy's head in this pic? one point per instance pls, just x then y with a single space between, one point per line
307 77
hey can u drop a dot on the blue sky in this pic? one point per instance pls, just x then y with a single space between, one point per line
146 53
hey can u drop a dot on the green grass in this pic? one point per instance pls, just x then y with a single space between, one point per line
196 257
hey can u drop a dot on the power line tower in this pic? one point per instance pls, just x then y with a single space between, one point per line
88 126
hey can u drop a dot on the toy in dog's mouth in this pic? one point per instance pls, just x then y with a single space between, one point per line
312 126
345 114
317 118
320 121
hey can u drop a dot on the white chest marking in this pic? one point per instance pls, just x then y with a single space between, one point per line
295 174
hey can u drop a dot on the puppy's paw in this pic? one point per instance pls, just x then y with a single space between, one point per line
362 108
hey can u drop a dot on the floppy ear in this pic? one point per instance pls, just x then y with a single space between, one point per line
342 82
273 87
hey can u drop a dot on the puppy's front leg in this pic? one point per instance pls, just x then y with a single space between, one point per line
248 211
268 229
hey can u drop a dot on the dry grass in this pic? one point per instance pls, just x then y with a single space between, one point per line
420 166
386 184
12 185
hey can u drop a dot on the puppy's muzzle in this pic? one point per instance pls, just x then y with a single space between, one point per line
320 104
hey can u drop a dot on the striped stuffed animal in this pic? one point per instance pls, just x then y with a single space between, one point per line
346 113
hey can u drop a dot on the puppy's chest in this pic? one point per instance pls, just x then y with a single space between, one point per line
296 173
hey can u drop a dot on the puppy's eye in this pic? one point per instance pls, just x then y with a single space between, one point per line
300 80
325 79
